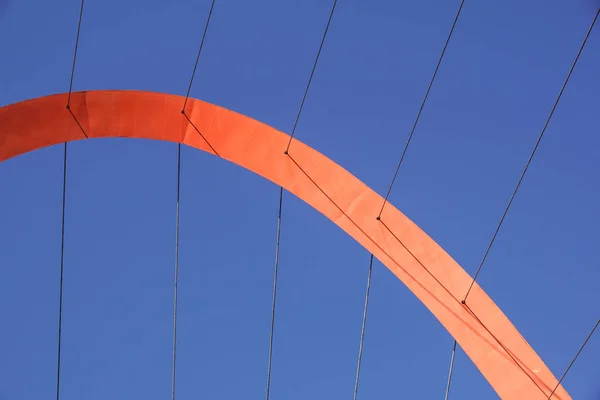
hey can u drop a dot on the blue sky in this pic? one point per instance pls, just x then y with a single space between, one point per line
502 71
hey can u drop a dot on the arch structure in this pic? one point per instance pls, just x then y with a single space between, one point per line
486 335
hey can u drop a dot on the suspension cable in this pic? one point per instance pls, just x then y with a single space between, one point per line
187 95
68 106
275 272
312 72
574 359
414 127
176 272
403 155
63 209
62 265
514 193
75 54
276 267
176 278
450 371
362 330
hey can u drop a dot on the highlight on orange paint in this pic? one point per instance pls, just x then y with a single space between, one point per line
486 335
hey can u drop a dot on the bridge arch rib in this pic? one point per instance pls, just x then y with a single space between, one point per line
486 335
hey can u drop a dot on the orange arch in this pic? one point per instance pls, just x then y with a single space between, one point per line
486 335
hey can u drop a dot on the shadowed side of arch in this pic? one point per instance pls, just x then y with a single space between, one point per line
486 335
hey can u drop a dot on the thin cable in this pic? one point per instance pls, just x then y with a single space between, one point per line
574 358
362 331
532 155
275 272
63 208
287 149
75 55
450 371
187 95
412 131
276 268
62 268
176 279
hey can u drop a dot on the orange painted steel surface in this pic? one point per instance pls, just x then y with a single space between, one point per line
498 350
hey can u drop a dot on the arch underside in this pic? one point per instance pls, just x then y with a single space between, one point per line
486 335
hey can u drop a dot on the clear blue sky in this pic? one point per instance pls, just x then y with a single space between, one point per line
503 69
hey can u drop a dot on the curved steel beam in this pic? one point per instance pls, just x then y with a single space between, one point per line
486 335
